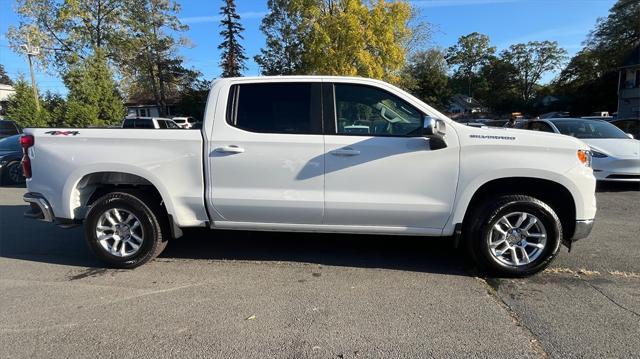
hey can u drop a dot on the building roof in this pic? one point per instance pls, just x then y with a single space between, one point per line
465 102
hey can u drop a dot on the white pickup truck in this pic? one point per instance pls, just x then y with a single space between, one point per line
316 154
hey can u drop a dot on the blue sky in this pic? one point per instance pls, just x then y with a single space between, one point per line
504 21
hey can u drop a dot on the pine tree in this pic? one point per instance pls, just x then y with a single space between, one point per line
232 57
4 78
93 99
283 28
22 107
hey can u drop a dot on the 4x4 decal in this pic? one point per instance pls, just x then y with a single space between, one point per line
62 133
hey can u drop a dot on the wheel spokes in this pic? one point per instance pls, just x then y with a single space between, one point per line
517 239
119 232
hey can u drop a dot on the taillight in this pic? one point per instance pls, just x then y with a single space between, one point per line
26 141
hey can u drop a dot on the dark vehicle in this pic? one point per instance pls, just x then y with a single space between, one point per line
10 157
9 128
630 126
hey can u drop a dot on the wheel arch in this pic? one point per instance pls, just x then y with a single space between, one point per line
555 194
86 185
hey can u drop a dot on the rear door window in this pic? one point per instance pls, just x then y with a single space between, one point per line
287 108
144 123
129 123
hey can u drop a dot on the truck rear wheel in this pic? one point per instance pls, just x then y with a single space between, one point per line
513 236
125 230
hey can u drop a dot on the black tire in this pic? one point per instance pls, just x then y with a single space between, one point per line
152 221
481 225
13 174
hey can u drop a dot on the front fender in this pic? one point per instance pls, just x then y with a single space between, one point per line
579 181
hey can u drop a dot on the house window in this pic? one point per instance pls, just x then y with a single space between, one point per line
142 112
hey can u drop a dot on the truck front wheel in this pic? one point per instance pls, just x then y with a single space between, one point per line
124 230
513 236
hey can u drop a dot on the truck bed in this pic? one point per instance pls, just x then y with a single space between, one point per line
170 160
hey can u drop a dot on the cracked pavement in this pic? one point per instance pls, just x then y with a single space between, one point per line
260 295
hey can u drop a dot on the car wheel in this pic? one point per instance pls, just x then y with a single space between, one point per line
125 230
13 174
514 236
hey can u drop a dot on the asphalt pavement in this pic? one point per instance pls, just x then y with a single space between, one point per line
261 295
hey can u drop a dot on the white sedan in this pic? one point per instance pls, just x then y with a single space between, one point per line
616 155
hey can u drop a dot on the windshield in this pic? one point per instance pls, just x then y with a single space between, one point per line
588 129
10 143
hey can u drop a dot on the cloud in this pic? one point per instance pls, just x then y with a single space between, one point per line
209 19
449 3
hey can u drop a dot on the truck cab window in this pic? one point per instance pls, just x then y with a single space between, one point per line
275 108
368 111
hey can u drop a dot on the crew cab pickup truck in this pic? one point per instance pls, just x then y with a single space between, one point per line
316 154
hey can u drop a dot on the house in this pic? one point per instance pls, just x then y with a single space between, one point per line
629 86
462 104
549 100
5 92
147 109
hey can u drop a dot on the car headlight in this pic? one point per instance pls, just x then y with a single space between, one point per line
597 154
3 162
584 157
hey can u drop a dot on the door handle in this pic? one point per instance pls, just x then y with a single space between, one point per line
347 151
230 149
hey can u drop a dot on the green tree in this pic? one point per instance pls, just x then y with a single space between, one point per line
497 86
531 61
22 107
93 98
471 52
4 77
193 99
425 76
55 105
283 28
232 57
69 30
153 68
590 79
617 34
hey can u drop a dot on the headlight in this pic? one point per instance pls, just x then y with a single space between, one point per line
2 163
597 154
584 157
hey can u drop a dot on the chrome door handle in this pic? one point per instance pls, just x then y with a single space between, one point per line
230 149
347 151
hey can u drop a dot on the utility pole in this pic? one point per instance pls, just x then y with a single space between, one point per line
32 51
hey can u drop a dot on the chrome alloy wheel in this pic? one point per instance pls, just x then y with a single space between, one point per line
119 232
517 239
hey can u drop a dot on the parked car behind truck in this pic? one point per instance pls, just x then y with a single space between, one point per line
279 154
616 155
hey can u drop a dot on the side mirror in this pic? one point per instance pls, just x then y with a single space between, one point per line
435 130
630 136
434 127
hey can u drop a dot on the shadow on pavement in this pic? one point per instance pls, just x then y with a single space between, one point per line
30 240
617 186
364 251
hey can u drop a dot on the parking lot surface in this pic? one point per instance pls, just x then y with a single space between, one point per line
247 294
